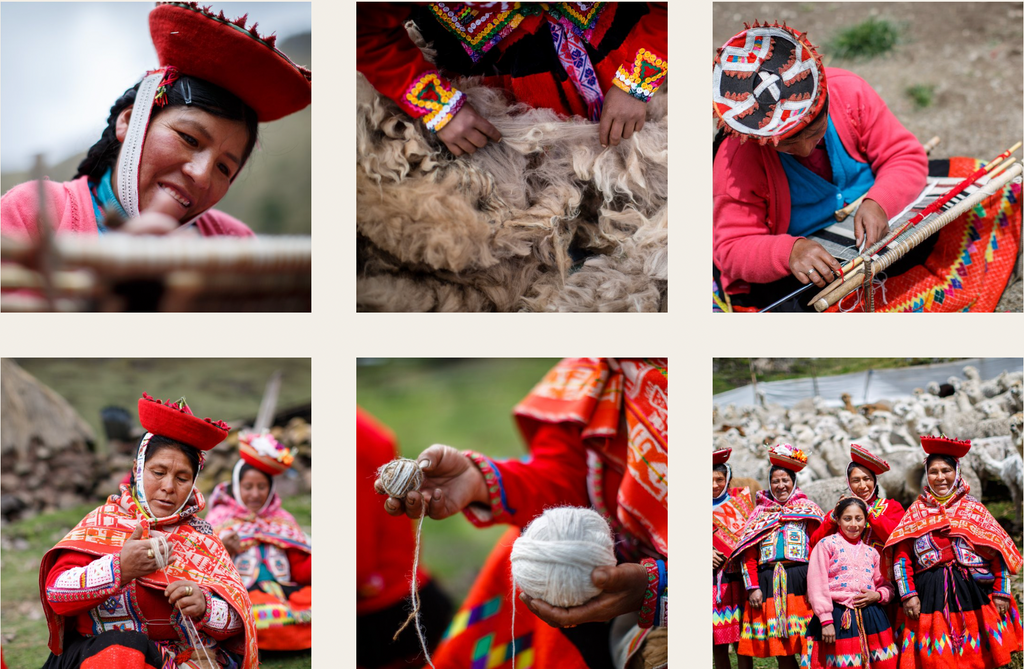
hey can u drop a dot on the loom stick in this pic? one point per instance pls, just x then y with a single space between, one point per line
843 213
931 144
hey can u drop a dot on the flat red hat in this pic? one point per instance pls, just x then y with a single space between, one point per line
720 457
223 52
866 458
788 457
945 446
264 452
175 420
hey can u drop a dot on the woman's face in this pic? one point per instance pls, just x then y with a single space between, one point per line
254 488
861 483
802 143
188 160
781 485
851 522
717 483
167 480
941 477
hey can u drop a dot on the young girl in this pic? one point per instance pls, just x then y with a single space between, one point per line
847 592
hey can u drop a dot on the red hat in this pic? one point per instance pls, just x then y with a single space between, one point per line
787 457
264 452
945 446
865 458
175 420
720 457
216 49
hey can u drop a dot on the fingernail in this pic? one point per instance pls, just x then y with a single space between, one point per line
424 464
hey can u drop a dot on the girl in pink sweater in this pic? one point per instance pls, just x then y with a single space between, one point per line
847 592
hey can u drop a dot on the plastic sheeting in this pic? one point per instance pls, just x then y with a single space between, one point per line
865 387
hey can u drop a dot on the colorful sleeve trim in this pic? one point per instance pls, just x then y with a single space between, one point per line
433 99
99 578
220 616
649 607
903 578
644 77
661 616
495 491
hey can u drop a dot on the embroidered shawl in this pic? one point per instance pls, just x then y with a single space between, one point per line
962 516
769 515
199 557
595 393
272 525
729 518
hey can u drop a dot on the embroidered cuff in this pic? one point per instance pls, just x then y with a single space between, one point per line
99 578
495 492
220 616
661 615
649 607
912 593
644 76
433 99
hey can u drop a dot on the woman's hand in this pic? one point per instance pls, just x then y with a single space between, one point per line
623 587
621 116
828 633
451 482
1002 604
912 607
231 543
717 558
188 597
137 559
467 131
811 263
866 597
870 221
756 598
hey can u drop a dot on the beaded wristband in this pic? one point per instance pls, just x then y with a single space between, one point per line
492 480
650 604
644 77
434 99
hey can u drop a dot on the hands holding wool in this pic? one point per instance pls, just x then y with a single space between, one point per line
623 587
451 482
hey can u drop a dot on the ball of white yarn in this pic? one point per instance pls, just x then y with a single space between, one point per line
553 558
400 477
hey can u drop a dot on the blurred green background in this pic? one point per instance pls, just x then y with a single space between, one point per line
462 403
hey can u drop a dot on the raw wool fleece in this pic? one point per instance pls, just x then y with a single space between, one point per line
492 231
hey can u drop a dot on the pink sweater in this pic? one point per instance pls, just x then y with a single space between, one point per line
838 571
70 205
751 192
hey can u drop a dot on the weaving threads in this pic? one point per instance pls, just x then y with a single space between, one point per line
161 550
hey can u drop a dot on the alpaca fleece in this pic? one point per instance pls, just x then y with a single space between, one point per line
492 231
553 559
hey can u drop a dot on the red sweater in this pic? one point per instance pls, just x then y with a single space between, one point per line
751 192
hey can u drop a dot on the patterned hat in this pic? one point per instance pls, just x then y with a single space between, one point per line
768 83
265 453
787 457
865 458
945 446
720 457
176 421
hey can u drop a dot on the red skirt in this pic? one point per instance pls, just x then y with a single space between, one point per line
283 622
727 602
848 649
971 635
779 626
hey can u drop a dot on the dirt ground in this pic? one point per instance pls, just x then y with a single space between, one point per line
971 53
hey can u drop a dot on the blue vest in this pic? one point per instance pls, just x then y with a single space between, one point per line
814 201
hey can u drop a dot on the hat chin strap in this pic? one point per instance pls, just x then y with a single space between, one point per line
131 149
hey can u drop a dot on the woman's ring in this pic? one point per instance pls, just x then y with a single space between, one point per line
810 271
188 590
150 553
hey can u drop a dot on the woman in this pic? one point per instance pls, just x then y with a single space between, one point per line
730 508
772 558
602 60
952 563
176 141
883 515
585 424
270 550
847 587
142 582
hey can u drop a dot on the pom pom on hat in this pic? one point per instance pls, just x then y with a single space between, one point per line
265 453
956 448
721 456
865 458
176 421
788 457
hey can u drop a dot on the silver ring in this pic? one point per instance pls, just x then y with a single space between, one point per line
810 271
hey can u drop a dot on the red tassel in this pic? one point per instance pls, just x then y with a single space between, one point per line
240 21
183 657
271 40
221 17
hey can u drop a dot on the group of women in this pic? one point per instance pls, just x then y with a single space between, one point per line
143 583
865 583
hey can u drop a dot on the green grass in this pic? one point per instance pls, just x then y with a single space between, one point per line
922 95
462 403
735 372
868 39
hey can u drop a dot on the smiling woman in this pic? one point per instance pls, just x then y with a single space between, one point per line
176 141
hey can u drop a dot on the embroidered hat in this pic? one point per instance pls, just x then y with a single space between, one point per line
264 452
176 421
865 458
787 457
720 457
945 446
768 83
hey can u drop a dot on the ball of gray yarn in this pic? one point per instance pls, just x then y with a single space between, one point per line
553 558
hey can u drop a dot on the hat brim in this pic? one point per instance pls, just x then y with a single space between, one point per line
720 457
943 446
786 462
172 423
861 456
262 463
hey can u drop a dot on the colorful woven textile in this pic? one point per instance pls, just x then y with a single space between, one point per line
779 625
199 557
272 525
770 515
729 518
970 265
728 598
850 646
